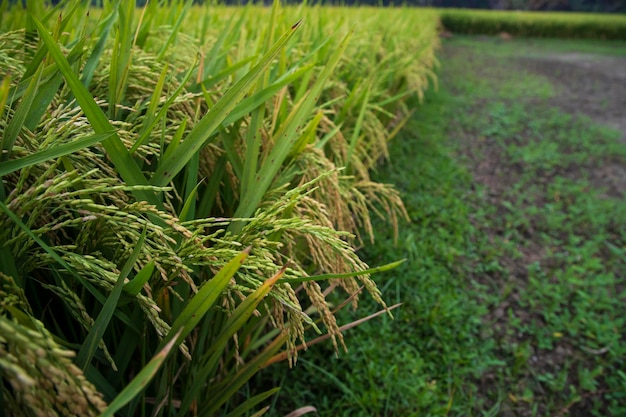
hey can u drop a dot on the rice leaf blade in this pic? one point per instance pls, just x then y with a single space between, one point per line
188 212
141 381
252 402
19 118
94 337
170 40
203 300
238 318
121 58
151 122
324 277
7 263
203 130
5 87
53 254
246 372
52 153
357 128
134 286
260 97
223 74
96 53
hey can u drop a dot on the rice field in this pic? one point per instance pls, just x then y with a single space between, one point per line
183 188
187 193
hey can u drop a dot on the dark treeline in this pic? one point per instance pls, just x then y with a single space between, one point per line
605 6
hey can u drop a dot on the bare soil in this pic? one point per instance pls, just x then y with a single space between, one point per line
593 85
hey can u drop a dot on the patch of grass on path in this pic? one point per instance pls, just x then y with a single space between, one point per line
493 45
514 288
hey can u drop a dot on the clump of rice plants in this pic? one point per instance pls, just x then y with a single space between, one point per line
181 189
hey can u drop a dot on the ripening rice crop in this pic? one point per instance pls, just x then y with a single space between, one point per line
182 187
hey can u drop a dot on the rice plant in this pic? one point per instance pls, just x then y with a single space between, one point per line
182 188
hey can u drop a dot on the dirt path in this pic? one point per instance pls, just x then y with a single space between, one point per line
593 85
545 206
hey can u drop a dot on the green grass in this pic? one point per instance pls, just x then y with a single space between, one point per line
513 292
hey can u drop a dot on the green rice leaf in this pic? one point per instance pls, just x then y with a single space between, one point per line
51 153
357 128
286 138
211 58
204 129
176 139
252 402
244 374
7 263
151 122
19 118
121 58
141 381
236 321
50 252
47 90
156 94
150 9
35 64
5 87
101 382
328 136
87 350
308 135
96 53
208 195
170 40
189 208
229 137
134 286
204 299
259 98
223 74
261 412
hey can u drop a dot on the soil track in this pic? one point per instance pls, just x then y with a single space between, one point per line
593 85
585 84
